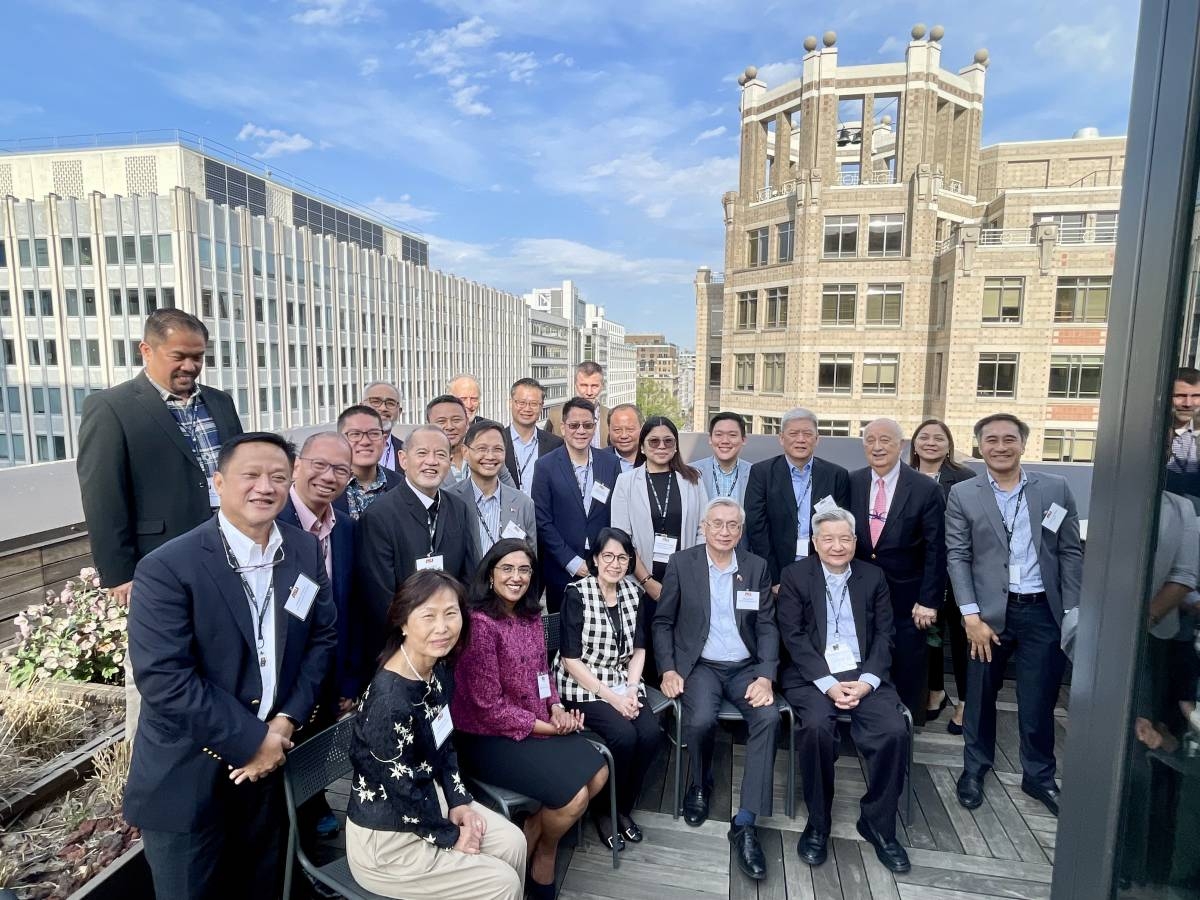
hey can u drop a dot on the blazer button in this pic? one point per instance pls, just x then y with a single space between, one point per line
872 556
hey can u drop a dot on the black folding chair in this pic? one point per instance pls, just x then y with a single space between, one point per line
906 814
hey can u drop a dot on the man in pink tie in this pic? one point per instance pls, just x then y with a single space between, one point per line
900 516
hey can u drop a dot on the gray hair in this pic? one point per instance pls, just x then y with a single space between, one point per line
724 501
462 376
837 514
884 420
374 384
798 412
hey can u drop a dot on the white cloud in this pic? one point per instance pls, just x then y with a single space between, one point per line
710 134
520 66
1079 47
403 209
333 13
660 188
273 142
465 102
446 51
776 73
561 59
891 44
368 67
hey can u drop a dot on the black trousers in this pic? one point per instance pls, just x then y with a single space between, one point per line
633 744
703 689
240 855
955 636
1031 639
881 735
910 665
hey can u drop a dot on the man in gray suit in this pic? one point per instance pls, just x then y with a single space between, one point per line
502 510
1015 561
725 473
715 639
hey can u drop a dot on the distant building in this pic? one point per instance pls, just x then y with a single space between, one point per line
661 361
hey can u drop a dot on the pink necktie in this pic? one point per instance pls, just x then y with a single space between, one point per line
879 512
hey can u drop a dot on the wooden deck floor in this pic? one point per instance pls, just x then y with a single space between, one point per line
1004 849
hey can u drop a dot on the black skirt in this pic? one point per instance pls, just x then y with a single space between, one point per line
551 770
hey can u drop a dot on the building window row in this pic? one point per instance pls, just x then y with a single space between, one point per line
885 236
880 373
1082 299
759 250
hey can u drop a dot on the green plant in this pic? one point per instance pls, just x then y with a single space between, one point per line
78 634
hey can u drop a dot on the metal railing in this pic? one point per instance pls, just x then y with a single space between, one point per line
997 237
855 179
762 195
1083 234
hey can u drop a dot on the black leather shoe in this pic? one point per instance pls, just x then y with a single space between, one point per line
970 790
953 727
631 832
748 851
695 805
814 846
1047 796
889 851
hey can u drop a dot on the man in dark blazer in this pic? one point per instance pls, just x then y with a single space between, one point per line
384 398
524 442
571 498
901 528
715 639
1016 563
231 632
416 526
783 492
836 622
147 455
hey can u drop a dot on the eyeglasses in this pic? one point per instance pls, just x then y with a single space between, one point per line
494 450
609 558
320 467
385 402
507 570
667 443
527 404
580 426
355 436
719 527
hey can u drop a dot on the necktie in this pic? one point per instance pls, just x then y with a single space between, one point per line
879 511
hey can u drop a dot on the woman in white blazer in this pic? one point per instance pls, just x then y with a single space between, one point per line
659 505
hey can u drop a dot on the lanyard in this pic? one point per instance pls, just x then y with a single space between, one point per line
587 471
483 521
717 479
662 507
1010 529
523 464
837 610
260 610
802 525
432 521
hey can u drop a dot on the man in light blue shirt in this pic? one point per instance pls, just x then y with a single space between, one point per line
725 473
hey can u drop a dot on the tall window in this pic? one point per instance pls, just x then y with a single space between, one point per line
885 235
5 303
758 246
834 427
3 256
785 236
939 313
884 303
23 252
41 252
997 375
747 310
743 372
1075 377
837 304
777 307
773 369
841 236
835 373
1082 299
880 373
1069 445
714 370
1002 299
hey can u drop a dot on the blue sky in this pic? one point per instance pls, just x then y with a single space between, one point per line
529 141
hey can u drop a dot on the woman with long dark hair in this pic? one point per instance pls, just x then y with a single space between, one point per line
514 731
413 829
932 453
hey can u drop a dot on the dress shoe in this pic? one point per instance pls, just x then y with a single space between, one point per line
889 851
814 846
953 727
1047 796
931 714
631 832
970 790
695 805
748 851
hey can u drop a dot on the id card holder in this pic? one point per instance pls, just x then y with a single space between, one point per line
1053 518
600 492
839 658
429 562
301 596
214 499
748 600
442 726
1014 575
825 504
801 547
664 546
513 530
543 686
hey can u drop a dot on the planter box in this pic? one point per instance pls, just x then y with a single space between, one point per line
58 775
126 878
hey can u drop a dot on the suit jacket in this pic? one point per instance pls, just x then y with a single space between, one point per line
397 447
139 480
682 616
545 443
514 507
948 478
631 512
391 480
710 481
771 507
195 660
554 423
392 535
562 525
343 680
450 481
977 550
912 547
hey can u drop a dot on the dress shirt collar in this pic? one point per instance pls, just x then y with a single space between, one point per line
167 395
480 496
517 439
999 490
714 569
244 546
834 578
889 480
801 473
310 523
1184 429
425 499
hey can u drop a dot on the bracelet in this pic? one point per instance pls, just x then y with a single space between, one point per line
644 580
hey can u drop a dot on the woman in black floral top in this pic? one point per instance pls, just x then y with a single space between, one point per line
413 829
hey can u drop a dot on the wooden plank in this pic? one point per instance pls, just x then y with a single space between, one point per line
73 548
964 823
668 794
974 885
851 874
21 561
20 582
826 883
727 783
65 568
774 886
655 780
993 832
613 883
797 874
980 865
879 878
1026 845
940 826
1008 742
921 892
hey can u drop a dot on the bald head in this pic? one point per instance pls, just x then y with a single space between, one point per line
882 442
466 389
322 470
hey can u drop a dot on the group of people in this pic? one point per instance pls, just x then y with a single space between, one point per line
407 582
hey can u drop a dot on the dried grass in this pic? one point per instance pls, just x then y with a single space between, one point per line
111 772
35 726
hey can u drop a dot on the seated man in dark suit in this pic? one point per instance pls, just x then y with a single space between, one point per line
231 632
836 624
715 639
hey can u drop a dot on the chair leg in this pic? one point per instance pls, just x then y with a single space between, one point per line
289 862
678 805
907 816
790 805
612 804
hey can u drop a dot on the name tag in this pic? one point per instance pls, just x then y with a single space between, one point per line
825 504
1054 518
839 658
801 547
301 597
543 686
1014 574
513 530
214 499
600 493
747 600
429 562
664 546
443 725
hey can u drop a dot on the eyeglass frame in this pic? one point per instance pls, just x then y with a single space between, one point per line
321 466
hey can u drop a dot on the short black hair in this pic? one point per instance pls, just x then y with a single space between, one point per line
529 383
417 590
443 398
620 407
1188 375
229 447
161 321
578 403
622 538
1022 428
479 427
480 595
358 409
727 416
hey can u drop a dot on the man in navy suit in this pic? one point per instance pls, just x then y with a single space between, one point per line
231 632
571 500
783 492
901 527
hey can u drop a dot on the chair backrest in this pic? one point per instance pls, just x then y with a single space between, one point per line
318 762
551 633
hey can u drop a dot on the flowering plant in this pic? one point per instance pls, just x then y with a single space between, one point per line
78 634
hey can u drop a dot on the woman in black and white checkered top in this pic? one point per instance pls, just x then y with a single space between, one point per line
599 670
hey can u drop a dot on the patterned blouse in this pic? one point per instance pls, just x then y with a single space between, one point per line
397 763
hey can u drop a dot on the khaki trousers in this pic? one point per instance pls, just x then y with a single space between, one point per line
400 864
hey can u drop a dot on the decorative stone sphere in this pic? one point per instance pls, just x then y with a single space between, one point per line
829 38
936 33
810 43
751 73
918 31
742 80
981 56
